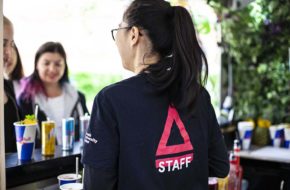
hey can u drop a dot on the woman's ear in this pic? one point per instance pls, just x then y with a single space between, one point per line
134 35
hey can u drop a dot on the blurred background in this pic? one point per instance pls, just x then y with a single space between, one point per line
84 29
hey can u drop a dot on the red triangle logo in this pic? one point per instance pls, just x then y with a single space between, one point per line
163 149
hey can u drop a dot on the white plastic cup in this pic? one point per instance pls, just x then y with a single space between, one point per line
276 134
287 137
212 183
25 140
72 186
246 131
68 178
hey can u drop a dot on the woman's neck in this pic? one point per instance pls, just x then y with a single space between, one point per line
53 90
142 61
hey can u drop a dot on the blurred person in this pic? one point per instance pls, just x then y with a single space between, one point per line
14 71
11 112
158 129
49 88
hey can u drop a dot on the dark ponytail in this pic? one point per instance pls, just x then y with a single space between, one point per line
173 37
190 58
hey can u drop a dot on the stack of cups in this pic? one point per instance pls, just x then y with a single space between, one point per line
276 134
71 181
68 178
245 131
72 186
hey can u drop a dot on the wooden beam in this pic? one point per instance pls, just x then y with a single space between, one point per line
2 145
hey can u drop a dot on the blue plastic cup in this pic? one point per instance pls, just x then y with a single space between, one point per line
25 140
68 178
287 137
245 131
276 134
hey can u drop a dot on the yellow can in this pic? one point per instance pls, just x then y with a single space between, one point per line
48 138
223 183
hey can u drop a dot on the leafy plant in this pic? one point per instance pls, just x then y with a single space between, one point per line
258 37
91 83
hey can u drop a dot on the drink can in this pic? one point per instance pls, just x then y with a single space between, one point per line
47 138
68 133
223 183
84 124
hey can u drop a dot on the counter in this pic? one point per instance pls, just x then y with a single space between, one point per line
266 167
41 168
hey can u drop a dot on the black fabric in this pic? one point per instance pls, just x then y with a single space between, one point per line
75 114
126 128
104 176
11 115
26 107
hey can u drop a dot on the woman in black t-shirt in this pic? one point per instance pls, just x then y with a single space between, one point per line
13 69
10 116
156 130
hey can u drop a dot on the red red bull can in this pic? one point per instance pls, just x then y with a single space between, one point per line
68 133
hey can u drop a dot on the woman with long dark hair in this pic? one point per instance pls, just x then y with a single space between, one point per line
49 88
158 129
14 71
11 112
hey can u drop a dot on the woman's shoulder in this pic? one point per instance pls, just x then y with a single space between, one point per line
204 93
125 84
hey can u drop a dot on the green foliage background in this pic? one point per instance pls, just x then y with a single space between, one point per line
258 37
91 83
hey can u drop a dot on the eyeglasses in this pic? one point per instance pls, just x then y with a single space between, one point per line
114 31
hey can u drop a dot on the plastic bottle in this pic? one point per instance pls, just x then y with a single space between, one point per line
236 171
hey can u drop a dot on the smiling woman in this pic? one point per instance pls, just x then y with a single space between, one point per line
49 88
82 27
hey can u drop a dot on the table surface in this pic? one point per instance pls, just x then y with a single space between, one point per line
41 167
12 159
267 153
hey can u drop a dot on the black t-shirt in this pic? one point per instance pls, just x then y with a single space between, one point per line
11 115
136 140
